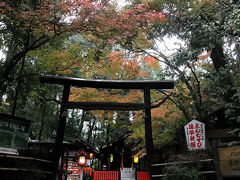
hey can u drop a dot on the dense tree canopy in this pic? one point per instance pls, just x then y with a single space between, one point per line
204 62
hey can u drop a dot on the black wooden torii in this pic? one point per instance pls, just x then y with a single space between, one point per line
68 82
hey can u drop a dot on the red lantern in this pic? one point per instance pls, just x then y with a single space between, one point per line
82 161
82 158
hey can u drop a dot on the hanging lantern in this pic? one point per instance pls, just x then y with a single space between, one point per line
81 157
111 158
91 155
82 161
135 158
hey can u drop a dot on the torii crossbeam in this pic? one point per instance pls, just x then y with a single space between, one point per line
69 82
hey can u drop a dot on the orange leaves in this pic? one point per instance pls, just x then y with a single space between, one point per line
205 56
66 72
144 74
148 60
43 20
132 68
166 112
161 16
212 2
126 23
84 95
159 112
119 67
64 7
132 96
5 8
94 95
115 61
151 62
51 17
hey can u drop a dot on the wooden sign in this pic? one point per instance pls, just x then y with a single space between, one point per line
195 135
230 160
128 174
8 151
14 131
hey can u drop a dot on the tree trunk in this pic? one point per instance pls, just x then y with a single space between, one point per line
226 83
81 122
220 62
108 134
43 109
91 125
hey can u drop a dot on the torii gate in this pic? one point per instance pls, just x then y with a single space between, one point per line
68 82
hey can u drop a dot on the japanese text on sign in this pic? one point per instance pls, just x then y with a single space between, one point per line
195 135
14 132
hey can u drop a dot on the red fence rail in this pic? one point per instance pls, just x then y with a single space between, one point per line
106 175
114 175
142 175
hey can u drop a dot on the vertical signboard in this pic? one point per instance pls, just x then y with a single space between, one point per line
195 135
14 132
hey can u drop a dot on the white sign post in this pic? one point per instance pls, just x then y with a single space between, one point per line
128 174
195 135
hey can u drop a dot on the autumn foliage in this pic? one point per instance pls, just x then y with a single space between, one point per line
42 22
51 17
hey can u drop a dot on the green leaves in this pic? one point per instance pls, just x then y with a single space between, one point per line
175 172
233 21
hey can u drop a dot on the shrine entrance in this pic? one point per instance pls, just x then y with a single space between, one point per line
145 85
